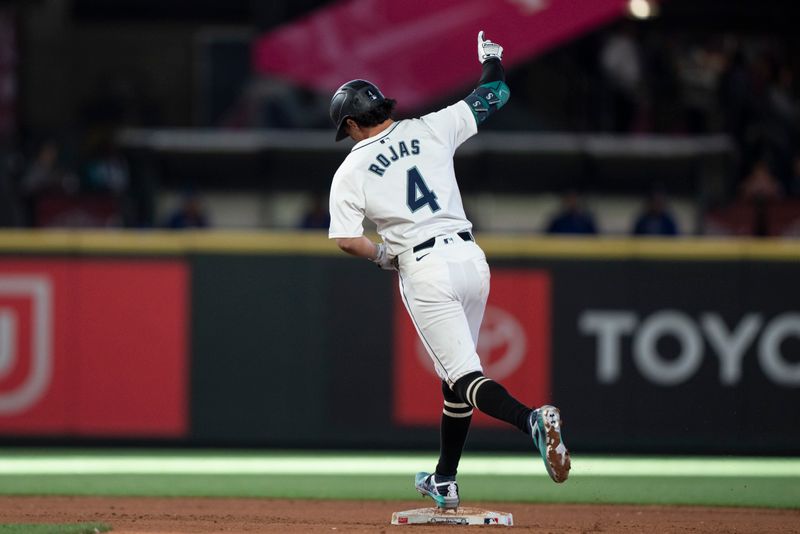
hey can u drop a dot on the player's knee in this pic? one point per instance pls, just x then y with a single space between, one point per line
453 405
466 386
449 393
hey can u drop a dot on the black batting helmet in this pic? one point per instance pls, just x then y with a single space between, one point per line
353 98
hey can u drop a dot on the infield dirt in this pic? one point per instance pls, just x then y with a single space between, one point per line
198 515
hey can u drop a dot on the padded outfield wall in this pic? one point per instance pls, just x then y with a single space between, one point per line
265 339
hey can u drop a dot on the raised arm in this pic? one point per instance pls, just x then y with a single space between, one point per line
492 92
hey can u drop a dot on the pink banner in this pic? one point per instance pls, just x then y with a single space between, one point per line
418 51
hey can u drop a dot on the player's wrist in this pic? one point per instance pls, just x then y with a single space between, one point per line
379 253
382 258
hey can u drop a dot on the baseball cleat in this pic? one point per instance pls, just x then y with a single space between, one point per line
545 424
443 492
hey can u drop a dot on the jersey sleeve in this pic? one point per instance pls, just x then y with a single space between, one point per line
453 124
347 205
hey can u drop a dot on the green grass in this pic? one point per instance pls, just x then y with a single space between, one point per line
81 528
720 481
777 492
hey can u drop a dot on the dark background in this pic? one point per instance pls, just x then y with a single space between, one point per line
332 371
88 71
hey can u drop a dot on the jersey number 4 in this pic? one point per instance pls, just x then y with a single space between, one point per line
418 194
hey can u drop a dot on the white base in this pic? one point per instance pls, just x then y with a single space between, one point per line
462 516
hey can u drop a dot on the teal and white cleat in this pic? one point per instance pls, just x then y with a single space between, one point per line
545 424
443 492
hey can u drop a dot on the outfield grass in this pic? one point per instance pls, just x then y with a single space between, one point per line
760 482
81 528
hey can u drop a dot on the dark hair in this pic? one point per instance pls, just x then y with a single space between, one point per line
377 114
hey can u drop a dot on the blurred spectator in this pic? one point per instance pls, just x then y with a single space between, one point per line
656 218
781 124
760 184
190 214
46 177
273 103
760 189
106 170
698 69
734 95
621 65
758 98
317 216
573 217
46 174
58 197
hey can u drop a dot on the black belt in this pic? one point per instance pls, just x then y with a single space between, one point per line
466 236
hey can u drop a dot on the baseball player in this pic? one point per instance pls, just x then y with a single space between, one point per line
400 175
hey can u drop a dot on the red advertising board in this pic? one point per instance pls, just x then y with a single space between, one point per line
94 348
418 51
514 346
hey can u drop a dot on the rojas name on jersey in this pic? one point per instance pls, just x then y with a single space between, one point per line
383 160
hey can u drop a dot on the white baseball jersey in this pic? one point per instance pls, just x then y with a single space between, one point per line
403 181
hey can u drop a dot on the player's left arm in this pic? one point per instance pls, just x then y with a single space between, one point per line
346 207
492 92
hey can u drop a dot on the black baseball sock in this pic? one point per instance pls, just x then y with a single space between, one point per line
456 417
492 399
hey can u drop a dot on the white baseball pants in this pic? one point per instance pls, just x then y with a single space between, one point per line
444 289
